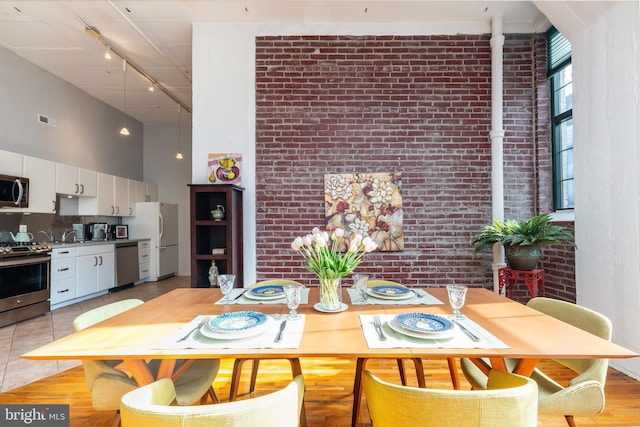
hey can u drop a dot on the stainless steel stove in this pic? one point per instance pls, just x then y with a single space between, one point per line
25 276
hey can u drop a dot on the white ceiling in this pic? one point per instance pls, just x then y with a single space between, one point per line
155 35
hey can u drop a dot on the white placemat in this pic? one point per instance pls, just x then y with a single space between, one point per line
398 340
423 297
291 336
237 296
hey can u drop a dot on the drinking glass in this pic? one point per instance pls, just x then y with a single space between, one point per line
225 282
361 283
294 294
457 294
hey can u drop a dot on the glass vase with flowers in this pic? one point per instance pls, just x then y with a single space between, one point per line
331 258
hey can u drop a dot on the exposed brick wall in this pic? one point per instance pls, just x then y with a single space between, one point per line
419 105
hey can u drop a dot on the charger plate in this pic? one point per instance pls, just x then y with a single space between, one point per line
240 324
265 292
423 324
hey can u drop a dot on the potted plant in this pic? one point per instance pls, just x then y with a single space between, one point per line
522 240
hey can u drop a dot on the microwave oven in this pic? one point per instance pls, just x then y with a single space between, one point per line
14 191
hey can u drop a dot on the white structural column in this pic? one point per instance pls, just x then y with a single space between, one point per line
497 136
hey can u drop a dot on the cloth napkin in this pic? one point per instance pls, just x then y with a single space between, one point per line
237 297
291 336
425 298
397 340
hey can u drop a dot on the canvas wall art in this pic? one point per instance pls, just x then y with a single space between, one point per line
366 203
224 168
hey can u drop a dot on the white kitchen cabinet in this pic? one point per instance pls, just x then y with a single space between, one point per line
95 269
146 192
63 275
112 197
131 197
10 163
42 184
75 181
121 196
144 259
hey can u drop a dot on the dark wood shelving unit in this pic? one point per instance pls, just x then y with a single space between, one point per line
208 234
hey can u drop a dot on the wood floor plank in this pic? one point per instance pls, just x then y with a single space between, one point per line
329 384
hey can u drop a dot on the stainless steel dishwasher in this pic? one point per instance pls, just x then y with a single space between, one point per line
127 270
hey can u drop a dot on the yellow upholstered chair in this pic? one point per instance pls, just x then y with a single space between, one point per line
237 365
584 394
149 406
417 362
108 384
510 401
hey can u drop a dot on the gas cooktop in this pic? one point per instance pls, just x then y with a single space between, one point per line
14 249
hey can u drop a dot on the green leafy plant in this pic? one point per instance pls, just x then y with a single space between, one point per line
537 230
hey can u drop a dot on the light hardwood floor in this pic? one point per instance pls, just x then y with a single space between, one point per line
328 382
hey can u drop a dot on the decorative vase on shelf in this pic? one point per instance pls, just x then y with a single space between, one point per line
213 274
330 294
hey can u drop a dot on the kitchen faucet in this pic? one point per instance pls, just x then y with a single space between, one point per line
50 236
67 233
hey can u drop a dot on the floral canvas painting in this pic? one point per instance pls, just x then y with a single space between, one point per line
366 203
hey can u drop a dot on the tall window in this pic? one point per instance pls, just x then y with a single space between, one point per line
559 53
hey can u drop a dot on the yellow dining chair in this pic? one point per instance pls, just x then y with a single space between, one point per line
108 384
237 365
417 362
150 406
584 395
510 401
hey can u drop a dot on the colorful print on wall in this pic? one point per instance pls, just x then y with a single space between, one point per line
366 203
224 168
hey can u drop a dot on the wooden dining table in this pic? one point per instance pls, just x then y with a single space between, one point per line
133 336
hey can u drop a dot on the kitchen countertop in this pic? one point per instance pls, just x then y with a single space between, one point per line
95 242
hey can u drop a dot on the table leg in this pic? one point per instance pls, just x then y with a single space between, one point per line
140 371
357 391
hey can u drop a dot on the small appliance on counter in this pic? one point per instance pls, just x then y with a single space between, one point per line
96 231
79 229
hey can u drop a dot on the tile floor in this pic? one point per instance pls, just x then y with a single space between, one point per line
27 335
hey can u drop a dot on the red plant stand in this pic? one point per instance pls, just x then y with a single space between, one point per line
534 280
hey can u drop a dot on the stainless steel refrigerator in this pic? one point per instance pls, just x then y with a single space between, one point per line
157 221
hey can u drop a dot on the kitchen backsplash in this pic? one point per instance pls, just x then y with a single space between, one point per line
54 223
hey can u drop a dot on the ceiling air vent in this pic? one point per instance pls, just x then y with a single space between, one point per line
47 120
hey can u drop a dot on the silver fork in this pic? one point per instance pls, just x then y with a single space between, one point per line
200 325
378 325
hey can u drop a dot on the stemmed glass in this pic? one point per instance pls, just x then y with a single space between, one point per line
361 283
225 282
457 294
294 295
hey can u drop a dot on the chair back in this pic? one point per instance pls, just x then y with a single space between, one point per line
104 312
510 401
149 405
378 282
585 319
276 282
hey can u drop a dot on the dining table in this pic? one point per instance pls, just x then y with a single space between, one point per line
155 330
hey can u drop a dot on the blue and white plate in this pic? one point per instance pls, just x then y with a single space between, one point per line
237 321
265 292
423 323
397 293
390 290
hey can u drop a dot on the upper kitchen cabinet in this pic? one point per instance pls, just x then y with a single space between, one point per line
10 163
42 184
145 192
75 181
112 197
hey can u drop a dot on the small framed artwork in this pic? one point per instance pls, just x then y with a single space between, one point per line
224 168
122 231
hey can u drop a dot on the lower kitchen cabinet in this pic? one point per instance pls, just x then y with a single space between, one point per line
95 270
144 259
63 275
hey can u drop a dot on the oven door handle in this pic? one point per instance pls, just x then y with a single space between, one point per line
24 261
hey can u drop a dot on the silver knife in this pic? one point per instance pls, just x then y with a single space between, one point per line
471 335
279 336
239 295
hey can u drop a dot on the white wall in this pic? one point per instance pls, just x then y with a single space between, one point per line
171 176
606 58
87 129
